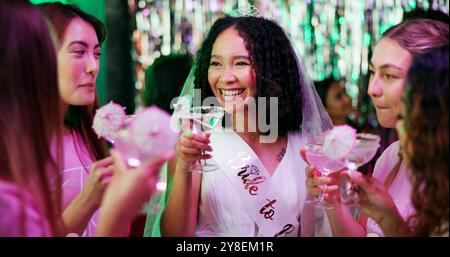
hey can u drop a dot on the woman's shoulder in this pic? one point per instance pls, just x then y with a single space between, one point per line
75 149
296 141
73 137
391 153
297 136
387 159
18 206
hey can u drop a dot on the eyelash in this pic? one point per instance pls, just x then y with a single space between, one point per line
241 63
82 52
387 76
216 64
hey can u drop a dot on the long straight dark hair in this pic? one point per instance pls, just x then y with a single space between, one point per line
29 110
79 118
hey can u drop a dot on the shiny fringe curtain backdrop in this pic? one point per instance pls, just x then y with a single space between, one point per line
333 36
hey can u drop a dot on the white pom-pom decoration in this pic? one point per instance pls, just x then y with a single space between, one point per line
147 135
339 142
108 120
151 132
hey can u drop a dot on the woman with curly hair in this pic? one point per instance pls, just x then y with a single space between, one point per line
389 66
424 126
257 190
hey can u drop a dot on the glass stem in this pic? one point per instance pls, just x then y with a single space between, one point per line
203 160
323 188
352 188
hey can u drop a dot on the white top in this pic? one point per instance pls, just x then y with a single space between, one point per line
222 212
77 162
13 203
400 189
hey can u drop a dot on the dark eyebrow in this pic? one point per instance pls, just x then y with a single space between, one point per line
241 57
234 57
78 42
82 43
388 65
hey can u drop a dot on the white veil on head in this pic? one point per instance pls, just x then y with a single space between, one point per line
315 119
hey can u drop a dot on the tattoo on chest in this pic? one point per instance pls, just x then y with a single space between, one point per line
281 154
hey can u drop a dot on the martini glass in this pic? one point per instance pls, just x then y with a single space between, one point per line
363 151
202 119
132 158
315 156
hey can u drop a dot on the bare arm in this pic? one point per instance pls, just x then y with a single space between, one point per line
77 215
180 215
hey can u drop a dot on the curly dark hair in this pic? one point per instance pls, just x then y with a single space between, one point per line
426 147
273 59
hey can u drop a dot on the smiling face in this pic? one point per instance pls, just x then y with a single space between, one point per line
78 63
388 68
231 75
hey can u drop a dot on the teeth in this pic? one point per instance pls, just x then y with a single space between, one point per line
231 93
228 98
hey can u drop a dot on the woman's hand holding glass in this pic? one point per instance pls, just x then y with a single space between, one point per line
316 184
100 174
191 148
322 183
199 120
374 199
